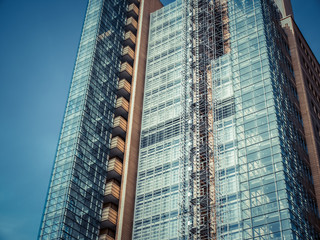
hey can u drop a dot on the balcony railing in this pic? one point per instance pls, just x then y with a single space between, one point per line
119 127
122 107
124 89
107 234
128 55
117 147
129 39
131 24
114 169
133 11
109 216
112 192
126 71
105 237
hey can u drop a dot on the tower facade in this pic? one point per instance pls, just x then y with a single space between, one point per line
197 120
91 192
157 193
236 113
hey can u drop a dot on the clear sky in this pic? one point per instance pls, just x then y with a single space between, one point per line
38 44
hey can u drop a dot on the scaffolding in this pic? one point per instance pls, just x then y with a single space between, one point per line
185 188
206 37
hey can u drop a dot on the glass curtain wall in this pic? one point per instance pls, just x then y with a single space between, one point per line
266 186
75 195
227 169
156 207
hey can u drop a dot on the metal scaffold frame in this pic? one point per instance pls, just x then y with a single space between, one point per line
206 37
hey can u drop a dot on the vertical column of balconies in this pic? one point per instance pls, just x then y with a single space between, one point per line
117 149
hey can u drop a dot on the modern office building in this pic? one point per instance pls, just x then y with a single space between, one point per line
261 179
196 120
97 152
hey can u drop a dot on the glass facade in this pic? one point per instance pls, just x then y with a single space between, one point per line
264 184
264 173
227 169
75 196
264 187
156 207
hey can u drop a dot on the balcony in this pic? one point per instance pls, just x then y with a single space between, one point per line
129 39
131 25
133 11
119 127
105 237
124 89
112 192
122 107
107 234
117 147
114 169
137 2
128 55
109 216
126 71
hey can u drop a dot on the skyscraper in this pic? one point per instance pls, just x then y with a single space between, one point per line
100 132
229 142
262 177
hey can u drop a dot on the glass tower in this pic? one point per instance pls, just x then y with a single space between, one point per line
263 182
265 176
75 196
223 152
156 208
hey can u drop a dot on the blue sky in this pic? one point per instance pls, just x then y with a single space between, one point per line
38 44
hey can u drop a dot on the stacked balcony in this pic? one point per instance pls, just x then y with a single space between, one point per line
107 234
122 107
119 131
105 237
131 25
109 216
126 71
128 55
112 192
133 11
114 169
124 89
119 127
129 39
117 147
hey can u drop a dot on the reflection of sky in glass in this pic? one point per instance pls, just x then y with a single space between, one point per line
38 46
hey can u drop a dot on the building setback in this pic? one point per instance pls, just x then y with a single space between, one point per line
197 120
